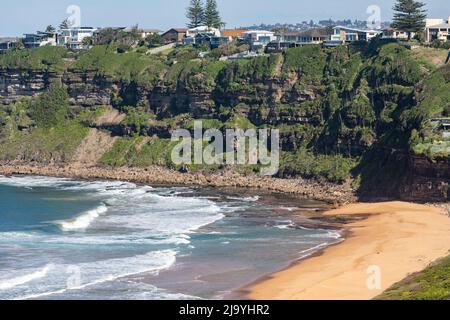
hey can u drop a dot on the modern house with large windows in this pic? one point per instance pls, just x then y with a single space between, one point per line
40 39
7 43
312 36
73 38
345 34
259 39
437 29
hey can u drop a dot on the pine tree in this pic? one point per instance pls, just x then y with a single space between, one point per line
409 16
50 29
212 15
66 24
195 14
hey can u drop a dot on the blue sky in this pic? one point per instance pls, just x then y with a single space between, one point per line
32 15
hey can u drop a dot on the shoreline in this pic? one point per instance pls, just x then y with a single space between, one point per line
327 192
395 239
361 226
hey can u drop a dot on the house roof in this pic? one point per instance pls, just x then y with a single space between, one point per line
358 30
258 31
233 32
440 26
177 30
317 32
8 39
151 30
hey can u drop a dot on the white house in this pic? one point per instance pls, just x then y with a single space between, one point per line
193 32
392 33
345 34
437 29
73 38
143 32
258 39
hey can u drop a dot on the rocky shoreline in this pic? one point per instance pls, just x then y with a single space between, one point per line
332 193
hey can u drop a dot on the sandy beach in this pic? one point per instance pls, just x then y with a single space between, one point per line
389 242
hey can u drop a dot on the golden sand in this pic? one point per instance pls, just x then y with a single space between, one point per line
395 240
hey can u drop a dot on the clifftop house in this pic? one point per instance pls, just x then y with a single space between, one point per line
345 34
7 43
312 36
174 35
40 39
73 38
437 29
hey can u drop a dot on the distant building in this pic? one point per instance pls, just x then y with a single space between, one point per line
73 38
277 46
190 33
40 39
392 33
174 35
216 42
242 55
346 35
7 43
313 36
234 33
259 39
437 29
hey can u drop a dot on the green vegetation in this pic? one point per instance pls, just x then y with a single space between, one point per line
433 283
409 16
44 58
332 106
128 66
333 168
133 151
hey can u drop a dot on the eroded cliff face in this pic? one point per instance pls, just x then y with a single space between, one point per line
427 180
273 103
17 83
86 89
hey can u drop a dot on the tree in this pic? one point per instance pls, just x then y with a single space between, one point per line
154 40
409 16
212 15
50 29
88 41
51 108
196 14
66 24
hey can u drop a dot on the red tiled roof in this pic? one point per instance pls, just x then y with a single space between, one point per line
233 33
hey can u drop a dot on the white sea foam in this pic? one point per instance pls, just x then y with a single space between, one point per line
55 281
245 199
84 220
288 224
21 280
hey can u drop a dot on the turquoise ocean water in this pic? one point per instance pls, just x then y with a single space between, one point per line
66 239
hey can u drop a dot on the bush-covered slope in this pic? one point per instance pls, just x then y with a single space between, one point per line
333 106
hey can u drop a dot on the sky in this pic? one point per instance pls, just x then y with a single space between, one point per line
27 16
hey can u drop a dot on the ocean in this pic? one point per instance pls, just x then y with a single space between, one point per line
66 239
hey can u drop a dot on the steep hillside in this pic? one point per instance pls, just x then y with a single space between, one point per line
351 114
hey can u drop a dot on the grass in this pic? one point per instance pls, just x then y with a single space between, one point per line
430 58
45 58
121 152
57 144
128 66
432 150
433 283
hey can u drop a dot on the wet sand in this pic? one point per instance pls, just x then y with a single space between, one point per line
390 241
